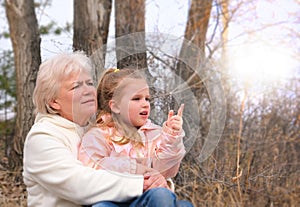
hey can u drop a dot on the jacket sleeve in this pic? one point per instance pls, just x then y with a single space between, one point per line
95 152
169 152
49 162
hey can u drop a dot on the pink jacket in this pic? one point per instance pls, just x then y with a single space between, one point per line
161 150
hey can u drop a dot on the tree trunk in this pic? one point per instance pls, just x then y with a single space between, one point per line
224 35
91 25
24 34
130 19
192 64
197 25
193 51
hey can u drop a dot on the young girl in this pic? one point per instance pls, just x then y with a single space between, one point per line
124 139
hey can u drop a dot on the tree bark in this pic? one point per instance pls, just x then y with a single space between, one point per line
192 65
197 25
130 23
25 37
193 49
91 25
224 34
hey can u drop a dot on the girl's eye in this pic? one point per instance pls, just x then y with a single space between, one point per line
135 98
148 99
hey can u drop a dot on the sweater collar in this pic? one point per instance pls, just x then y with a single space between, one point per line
60 122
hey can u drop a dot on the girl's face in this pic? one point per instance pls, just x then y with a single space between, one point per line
76 100
133 105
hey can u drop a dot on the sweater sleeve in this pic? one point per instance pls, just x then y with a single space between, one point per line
169 152
49 162
95 152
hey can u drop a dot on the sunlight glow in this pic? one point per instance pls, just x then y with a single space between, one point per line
261 63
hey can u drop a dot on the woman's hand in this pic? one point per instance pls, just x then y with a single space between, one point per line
154 180
142 169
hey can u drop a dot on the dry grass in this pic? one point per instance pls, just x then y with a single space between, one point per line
267 180
207 190
12 189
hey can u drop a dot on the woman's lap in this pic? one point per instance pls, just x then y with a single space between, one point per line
155 197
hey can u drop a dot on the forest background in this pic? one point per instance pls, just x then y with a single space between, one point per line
234 63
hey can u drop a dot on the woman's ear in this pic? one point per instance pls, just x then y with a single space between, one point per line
114 106
54 104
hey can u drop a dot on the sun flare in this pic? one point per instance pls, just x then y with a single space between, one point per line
261 63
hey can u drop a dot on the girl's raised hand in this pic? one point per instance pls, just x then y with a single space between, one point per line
174 122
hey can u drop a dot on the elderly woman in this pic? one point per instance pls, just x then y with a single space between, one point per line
65 100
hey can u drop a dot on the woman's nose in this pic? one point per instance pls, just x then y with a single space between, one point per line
87 89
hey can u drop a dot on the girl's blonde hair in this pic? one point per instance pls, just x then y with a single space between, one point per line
52 73
111 84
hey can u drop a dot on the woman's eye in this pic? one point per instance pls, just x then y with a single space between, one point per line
90 83
74 87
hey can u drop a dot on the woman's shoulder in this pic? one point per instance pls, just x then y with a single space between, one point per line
51 124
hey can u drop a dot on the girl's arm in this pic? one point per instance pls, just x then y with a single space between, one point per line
169 152
97 153
169 149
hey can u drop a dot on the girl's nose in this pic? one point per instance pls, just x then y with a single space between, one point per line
145 103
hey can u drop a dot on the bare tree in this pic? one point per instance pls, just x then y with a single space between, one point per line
224 35
197 25
194 49
129 19
24 33
91 25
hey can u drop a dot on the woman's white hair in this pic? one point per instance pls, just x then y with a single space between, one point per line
51 74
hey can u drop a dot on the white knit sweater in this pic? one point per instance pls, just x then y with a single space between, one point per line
55 178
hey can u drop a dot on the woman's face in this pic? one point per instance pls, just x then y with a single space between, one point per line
76 100
134 105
